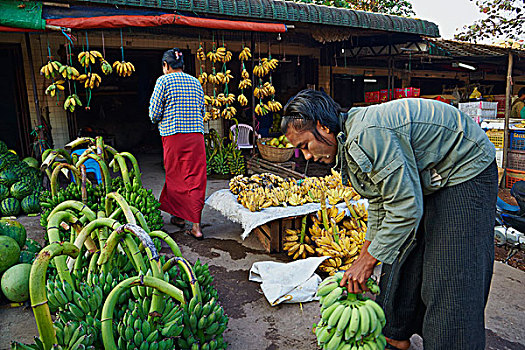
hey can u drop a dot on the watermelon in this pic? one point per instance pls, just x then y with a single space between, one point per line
3 147
33 246
8 177
20 190
27 257
9 253
15 283
31 204
32 162
4 192
10 207
15 230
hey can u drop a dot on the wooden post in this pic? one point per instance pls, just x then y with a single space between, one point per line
508 92
33 80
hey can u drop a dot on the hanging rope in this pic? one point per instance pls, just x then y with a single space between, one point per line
121 45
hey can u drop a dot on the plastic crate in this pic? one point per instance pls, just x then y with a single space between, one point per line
517 140
496 136
514 176
516 160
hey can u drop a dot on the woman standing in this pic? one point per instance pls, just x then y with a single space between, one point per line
177 105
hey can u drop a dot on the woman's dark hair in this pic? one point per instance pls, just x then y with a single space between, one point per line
173 58
308 107
521 92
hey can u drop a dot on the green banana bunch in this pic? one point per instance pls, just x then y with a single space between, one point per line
351 321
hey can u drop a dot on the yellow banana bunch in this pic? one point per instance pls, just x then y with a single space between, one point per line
92 81
230 99
269 89
88 57
222 99
212 78
274 106
245 74
68 72
53 88
217 102
105 66
243 101
269 65
49 69
201 56
245 54
295 247
229 112
220 78
227 57
246 83
261 109
124 69
203 78
71 102
260 70
208 100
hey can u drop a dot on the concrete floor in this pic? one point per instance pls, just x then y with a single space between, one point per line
254 324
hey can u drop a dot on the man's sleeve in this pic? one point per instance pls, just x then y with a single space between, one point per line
399 210
156 103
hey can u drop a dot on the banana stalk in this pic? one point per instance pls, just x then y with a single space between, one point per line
303 229
56 171
130 248
92 264
170 241
186 267
103 168
323 210
37 289
100 147
119 163
79 141
117 197
112 299
75 205
136 168
335 231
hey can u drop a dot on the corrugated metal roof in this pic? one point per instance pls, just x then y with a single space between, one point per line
288 11
452 48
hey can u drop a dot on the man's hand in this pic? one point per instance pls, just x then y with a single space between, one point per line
357 275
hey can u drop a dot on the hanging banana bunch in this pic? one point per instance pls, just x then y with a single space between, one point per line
261 109
245 54
201 56
53 88
90 80
274 106
246 82
88 57
49 69
124 69
105 66
68 72
71 102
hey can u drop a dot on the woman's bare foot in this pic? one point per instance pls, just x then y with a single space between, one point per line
399 344
196 231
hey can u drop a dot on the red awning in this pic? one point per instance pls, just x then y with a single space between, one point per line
154 21
20 30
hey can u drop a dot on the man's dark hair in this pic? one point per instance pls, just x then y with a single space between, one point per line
307 108
173 58
521 92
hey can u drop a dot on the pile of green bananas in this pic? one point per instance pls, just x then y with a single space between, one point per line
236 162
204 277
353 322
62 296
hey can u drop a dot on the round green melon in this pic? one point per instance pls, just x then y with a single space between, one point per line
9 253
15 283
15 230
26 257
20 190
10 207
31 204
3 147
32 162
4 192
33 246
8 177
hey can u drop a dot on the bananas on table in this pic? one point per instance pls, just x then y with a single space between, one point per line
297 243
349 321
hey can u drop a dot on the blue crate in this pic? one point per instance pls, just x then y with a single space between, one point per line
517 140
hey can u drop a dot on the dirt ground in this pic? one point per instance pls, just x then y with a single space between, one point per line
254 324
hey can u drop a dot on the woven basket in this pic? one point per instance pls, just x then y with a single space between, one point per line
274 154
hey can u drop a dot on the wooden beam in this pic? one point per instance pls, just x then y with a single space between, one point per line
508 92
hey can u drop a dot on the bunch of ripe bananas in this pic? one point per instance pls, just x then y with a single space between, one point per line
274 106
240 183
265 66
124 69
90 80
68 72
52 89
212 101
265 90
349 321
106 67
297 243
245 83
243 101
212 114
245 54
261 109
220 55
201 56
89 57
228 112
48 70
226 99
203 78
71 102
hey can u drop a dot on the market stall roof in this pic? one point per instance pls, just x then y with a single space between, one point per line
453 48
288 11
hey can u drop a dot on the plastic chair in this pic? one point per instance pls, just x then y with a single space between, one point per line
243 139
91 166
